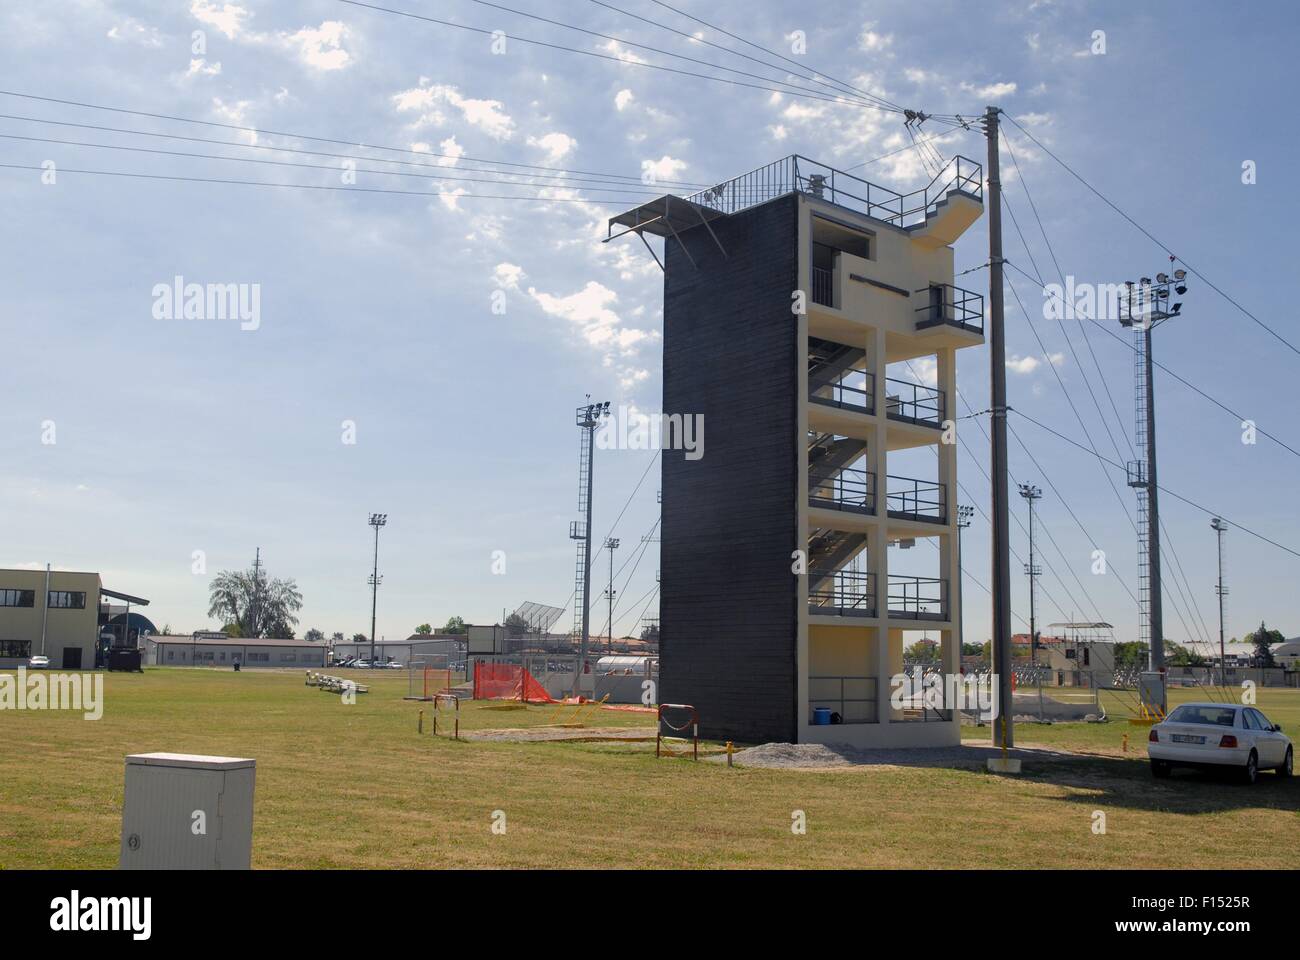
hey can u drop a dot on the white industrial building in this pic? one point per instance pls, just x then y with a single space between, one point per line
424 647
252 652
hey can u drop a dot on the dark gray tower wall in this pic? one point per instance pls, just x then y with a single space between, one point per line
728 615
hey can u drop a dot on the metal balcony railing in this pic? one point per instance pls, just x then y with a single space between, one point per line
859 396
841 593
803 175
952 306
823 286
850 489
914 403
917 598
850 699
910 499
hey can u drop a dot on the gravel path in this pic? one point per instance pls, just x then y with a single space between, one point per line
817 756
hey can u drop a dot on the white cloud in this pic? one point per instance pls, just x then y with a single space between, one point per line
488 115
227 19
871 41
451 197
1025 365
133 31
321 47
622 99
508 275
665 168
201 68
990 91
557 145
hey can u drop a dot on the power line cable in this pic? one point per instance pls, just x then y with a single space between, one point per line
609 57
317 139
1190 269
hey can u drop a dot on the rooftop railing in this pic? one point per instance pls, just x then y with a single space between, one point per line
800 174
842 593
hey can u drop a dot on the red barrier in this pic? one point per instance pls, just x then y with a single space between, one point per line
507 681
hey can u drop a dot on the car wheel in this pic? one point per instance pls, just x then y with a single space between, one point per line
1252 767
1287 764
1161 768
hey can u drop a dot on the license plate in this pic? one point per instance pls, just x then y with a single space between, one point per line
1187 738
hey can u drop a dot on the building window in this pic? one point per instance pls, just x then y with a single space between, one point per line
15 648
17 598
67 600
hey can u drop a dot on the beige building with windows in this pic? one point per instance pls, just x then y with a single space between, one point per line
54 614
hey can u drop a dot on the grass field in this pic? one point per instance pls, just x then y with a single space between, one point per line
355 786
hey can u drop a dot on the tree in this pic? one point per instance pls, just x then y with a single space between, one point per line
1263 639
1177 656
257 604
923 651
455 626
313 635
336 637
516 626
424 629
650 634
359 638
1131 655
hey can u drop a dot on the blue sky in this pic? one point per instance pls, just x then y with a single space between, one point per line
180 435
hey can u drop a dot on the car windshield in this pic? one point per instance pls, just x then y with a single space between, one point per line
1215 716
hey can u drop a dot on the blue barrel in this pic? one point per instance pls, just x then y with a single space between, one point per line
821 716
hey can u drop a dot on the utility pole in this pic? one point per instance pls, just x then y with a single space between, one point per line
377 520
1001 542
1220 528
1147 305
1032 570
611 544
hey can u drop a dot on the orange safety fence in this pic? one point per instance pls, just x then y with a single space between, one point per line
507 681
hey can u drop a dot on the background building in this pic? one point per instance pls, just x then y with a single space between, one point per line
208 651
429 646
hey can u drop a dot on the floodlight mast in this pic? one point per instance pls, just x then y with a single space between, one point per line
377 520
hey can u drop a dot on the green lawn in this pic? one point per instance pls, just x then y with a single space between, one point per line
356 786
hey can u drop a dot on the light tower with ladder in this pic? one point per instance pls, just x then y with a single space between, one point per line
1143 307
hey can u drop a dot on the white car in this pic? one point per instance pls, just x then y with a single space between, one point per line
38 663
1219 735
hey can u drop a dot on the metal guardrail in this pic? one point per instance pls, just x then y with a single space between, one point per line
850 489
914 403
951 305
823 286
842 593
852 698
804 175
910 499
917 598
837 393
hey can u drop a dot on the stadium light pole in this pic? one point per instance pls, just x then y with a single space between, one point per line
377 520
611 544
1032 570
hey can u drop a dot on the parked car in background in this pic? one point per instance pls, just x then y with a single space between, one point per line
38 663
1218 736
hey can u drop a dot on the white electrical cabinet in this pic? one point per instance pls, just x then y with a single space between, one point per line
187 812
